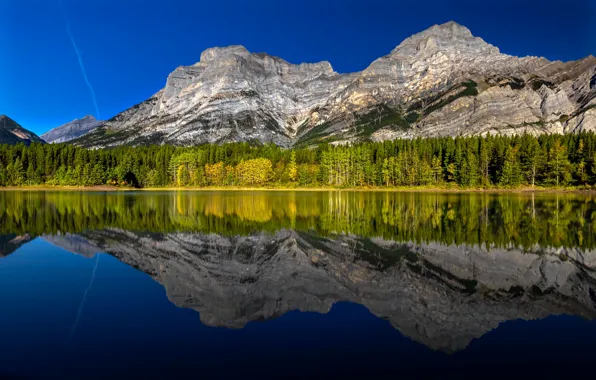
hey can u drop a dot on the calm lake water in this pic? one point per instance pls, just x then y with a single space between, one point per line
296 284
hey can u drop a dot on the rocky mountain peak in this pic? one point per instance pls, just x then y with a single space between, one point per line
216 53
447 36
5 120
87 118
12 133
452 29
72 129
238 55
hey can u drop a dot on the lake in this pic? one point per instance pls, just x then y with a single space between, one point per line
278 284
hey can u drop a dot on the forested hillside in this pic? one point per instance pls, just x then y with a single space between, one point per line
493 161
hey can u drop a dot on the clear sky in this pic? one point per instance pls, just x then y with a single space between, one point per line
128 47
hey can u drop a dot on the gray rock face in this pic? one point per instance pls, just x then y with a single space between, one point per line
441 296
71 130
442 81
12 133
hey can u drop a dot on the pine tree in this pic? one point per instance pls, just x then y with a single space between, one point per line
511 172
97 175
559 164
425 174
468 174
3 175
532 158
31 180
437 169
16 174
484 154
594 168
292 168
581 174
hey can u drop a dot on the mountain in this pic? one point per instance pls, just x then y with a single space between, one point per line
441 82
443 296
71 130
11 242
12 133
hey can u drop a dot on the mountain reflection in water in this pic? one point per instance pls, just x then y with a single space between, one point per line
442 269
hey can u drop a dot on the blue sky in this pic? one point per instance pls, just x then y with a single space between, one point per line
128 47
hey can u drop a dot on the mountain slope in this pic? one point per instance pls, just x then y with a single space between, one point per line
442 81
71 130
12 133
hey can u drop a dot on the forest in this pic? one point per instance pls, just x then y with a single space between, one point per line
461 162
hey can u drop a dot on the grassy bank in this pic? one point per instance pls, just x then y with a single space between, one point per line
451 189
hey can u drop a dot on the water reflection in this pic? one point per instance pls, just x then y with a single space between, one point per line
443 269
526 221
441 296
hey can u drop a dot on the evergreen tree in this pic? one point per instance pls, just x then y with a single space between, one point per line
437 170
31 180
594 168
511 173
559 164
532 159
16 174
97 175
3 175
581 172
468 174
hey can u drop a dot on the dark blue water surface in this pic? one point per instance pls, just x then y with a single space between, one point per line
59 321
296 285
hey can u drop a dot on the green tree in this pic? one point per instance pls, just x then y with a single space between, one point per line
97 175
3 175
437 169
183 176
16 173
468 174
581 172
385 173
594 168
511 174
560 172
532 159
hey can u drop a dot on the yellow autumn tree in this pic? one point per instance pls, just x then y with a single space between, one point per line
254 172
292 167
215 174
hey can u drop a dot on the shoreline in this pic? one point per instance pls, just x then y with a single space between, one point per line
306 189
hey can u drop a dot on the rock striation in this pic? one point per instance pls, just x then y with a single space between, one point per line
71 130
441 296
441 82
12 133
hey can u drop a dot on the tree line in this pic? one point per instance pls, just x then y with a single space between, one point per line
467 162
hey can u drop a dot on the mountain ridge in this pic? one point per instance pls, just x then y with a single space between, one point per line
71 130
443 81
12 133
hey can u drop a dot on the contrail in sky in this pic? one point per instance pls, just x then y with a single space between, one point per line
76 49
76 322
